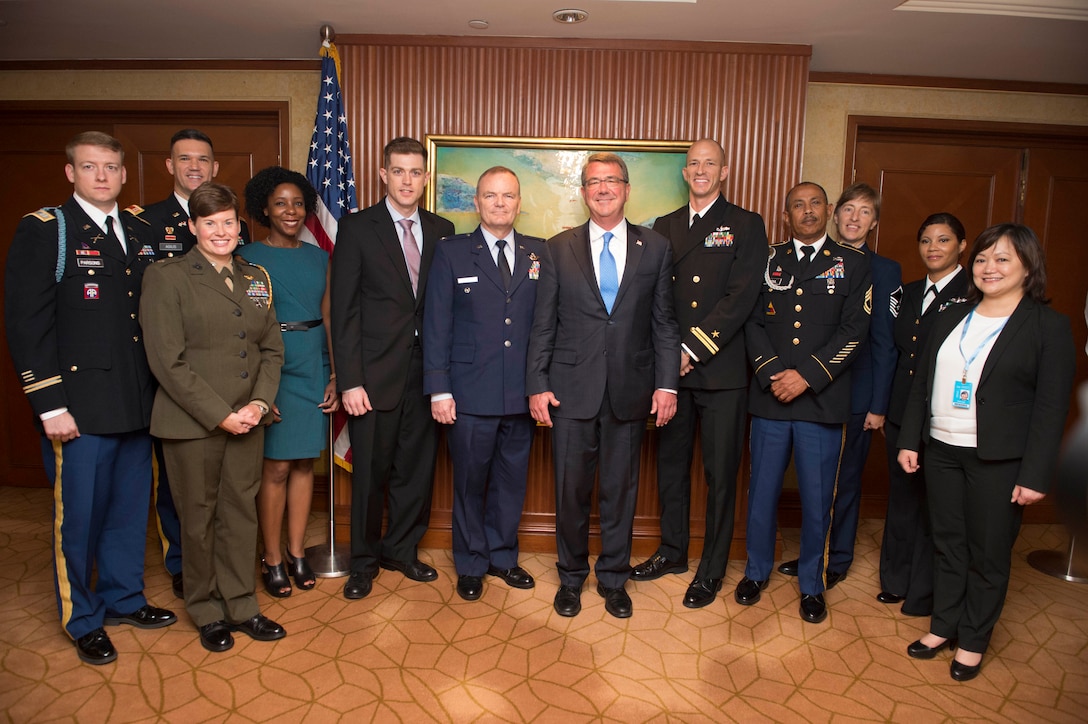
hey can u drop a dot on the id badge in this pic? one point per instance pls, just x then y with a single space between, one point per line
961 395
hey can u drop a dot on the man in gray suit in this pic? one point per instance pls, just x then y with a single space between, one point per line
603 354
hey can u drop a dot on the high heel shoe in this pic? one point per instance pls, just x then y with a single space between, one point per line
919 650
300 570
964 672
275 579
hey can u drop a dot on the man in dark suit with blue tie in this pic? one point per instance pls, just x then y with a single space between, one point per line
378 284
479 311
803 335
604 353
857 213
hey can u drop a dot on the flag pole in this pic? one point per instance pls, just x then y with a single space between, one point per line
336 196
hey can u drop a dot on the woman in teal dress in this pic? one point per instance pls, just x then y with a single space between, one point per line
280 200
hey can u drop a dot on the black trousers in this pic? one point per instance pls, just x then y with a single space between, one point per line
974 528
393 454
578 446
722 415
906 552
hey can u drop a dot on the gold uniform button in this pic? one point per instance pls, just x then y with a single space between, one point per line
914 339
797 308
796 341
912 355
135 338
695 279
130 294
674 278
800 291
917 321
911 372
508 321
90 272
506 343
170 255
132 316
75 368
796 325
694 305
128 272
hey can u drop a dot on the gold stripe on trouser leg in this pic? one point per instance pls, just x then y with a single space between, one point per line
155 502
834 494
64 586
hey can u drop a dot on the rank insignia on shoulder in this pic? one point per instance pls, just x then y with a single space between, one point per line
42 214
135 209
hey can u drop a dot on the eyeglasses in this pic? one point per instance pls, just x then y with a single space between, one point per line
592 183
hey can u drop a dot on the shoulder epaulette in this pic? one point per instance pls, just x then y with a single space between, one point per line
780 243
851 248
135 212
43 214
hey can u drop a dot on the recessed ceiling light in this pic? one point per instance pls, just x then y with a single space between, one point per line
569 16
478 24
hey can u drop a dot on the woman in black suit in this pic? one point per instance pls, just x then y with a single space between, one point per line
989 401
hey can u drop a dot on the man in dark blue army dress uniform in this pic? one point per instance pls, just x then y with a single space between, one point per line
811 318
72 293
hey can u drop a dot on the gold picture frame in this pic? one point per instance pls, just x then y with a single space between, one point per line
549 170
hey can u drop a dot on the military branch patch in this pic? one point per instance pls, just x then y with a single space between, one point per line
869 300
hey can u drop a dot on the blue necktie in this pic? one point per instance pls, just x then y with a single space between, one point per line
610 283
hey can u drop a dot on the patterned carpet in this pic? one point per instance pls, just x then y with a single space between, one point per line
415 652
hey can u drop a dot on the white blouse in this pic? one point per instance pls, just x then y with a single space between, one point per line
956 425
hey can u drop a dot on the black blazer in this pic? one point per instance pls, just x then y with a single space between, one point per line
171 224
717 268
912 329
376 319
1023 393
577 348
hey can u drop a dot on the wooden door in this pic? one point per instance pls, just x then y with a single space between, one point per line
984 174
32 140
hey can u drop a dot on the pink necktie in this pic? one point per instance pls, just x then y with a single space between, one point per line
411 252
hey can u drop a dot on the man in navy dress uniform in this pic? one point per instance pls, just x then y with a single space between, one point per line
857 213
810 320
718 253
72 294
478 313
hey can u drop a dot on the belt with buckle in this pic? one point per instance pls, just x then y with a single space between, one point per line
299 326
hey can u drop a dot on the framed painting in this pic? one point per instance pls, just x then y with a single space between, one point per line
549 170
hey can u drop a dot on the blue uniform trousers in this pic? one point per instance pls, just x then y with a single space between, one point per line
816 449
101 493
490 466
166 514
847 507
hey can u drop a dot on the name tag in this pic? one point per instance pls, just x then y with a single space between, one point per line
92 263
164 246
467 280
961 395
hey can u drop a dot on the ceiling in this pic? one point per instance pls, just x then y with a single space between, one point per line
848 36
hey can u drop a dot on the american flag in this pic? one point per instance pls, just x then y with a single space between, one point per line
329 169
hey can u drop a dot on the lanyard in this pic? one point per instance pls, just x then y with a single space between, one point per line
963 333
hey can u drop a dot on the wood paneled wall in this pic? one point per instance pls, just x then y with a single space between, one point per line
750 97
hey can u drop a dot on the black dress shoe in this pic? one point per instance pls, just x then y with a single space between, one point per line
215 636
832 578
789 567
417 570
616 601
144 617
919 650
656 566
96 648
748 591
702 592
568 601
470 587
516 577
178 584
916 611
260 628
886 597
358 585
813 608
963 672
